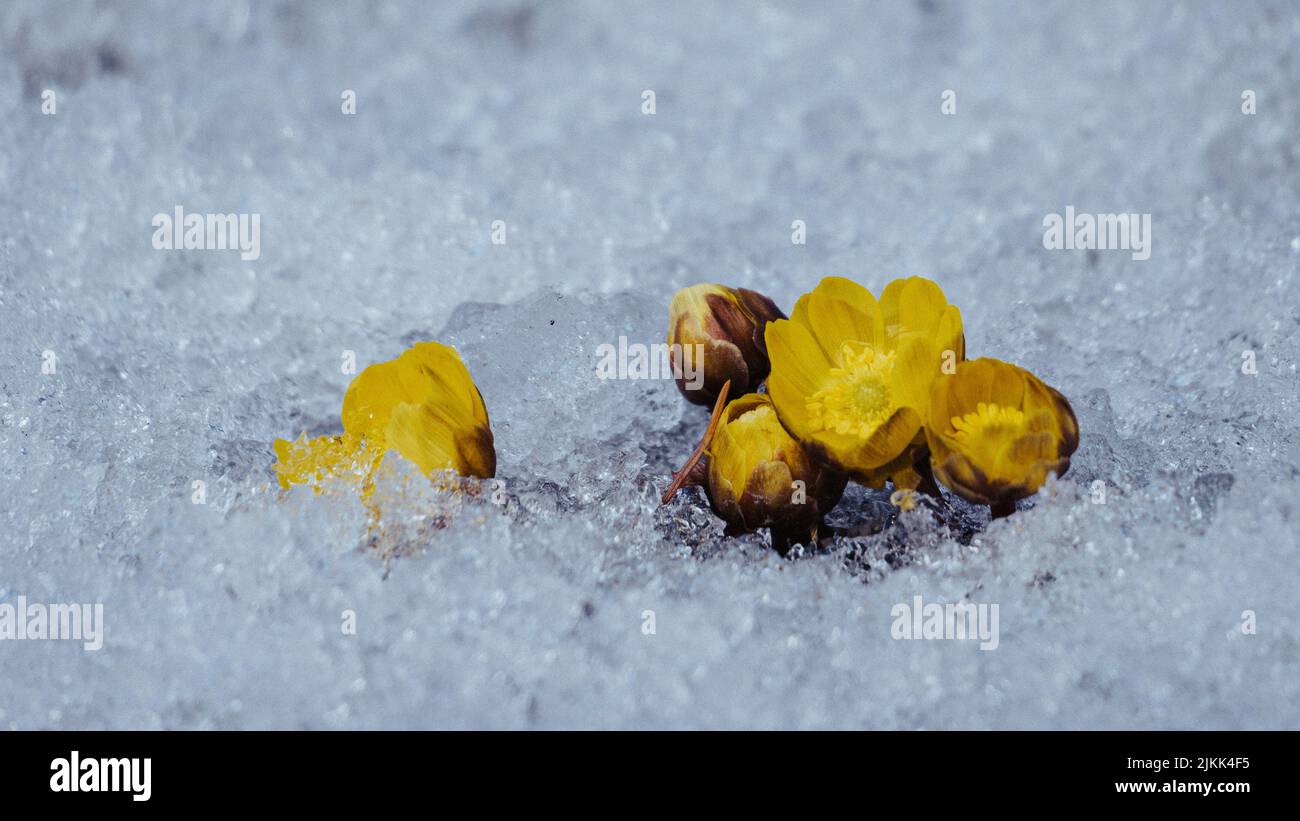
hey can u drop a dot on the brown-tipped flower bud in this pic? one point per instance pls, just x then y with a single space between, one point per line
759 476
716 334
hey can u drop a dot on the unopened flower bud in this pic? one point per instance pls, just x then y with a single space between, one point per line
716 334
756 475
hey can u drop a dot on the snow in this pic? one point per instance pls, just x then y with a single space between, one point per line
529 609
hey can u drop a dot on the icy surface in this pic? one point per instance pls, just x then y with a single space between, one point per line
525 608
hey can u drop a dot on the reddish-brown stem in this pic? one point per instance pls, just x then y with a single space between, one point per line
1002 509
680 477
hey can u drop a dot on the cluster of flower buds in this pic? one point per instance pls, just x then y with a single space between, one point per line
876 390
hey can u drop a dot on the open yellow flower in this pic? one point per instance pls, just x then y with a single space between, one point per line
996 431
727 324
422 404
851 376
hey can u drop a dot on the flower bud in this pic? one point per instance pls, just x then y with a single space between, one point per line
716 334
758 476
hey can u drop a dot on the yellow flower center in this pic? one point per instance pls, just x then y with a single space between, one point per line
989 422
856 398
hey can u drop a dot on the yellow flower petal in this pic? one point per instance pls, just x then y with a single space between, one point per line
840 310
888 448
417 433
798 367
917 364
915 307
950 335
912 305
427 373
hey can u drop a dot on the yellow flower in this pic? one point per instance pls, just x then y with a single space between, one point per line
422 404
997 431
851 376
759 476
728 324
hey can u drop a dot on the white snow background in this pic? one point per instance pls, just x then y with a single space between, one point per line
175 367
